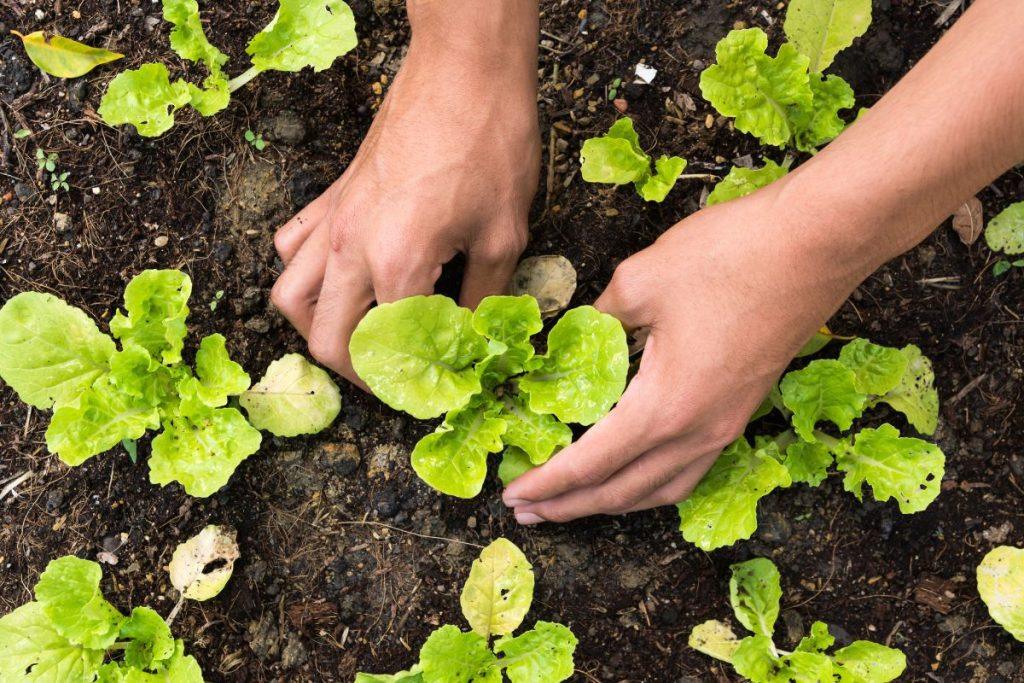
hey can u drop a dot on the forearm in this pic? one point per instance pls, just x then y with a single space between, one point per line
950 127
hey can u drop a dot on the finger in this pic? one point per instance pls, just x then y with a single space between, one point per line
489 268
680 487
292 235
297 289
620 492
632 428
345 297
623 296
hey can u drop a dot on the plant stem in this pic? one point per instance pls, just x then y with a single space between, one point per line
826 439
243 78
699 176
174 610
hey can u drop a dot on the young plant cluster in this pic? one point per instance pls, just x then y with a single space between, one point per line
47 163
494 601
55 357
302 33
1005 233
755 592
617 158
427 356
723 507
71 633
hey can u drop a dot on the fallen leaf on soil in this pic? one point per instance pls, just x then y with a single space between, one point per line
935 592
969 221
202 565
551 280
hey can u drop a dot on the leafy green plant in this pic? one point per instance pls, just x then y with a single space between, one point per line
755 592
427 356
70 630
302 33
256 140
723 507
787 100
617 158
1001 586
63 57
495 600
55 357
47 163
740 182
1005 233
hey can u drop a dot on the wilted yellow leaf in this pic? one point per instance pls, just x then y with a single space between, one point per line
63 57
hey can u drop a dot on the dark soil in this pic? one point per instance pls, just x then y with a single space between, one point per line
348 568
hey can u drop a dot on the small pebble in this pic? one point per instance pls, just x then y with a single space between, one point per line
160 241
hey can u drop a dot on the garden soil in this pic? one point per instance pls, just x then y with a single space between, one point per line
348 560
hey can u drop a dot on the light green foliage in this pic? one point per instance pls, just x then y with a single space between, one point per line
70 630
302 33
63 57
755 594
723 507
821 29
1005 232
1001 586
255 140
617 158
514 464
48 162
740 182
821 123
294 397
494 601
426 355
54 356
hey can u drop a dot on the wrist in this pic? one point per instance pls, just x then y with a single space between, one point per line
493 36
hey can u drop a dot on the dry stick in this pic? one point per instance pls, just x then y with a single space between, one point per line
9 489
404 531
174 610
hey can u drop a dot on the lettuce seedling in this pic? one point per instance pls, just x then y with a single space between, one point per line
495 600
787 100
426 356
1001 586
616 158
302 33
723 507
54 357
70 630
740 182
755 592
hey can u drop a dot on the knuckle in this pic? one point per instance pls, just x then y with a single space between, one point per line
284 296
627 278
321 349
724 431
585 476
504 247
614 499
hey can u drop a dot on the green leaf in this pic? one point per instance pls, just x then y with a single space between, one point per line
417 354
805 667
909 470
188 38
50 352
667 171
508 322
877 369
915 396
542 655
584 371
514 464
1005 232
304 33
540 436
453 459
820 123
157 306
723 507
145 98
808 463
413 675
63 57
1001 267
34 651
294 397
1001 585
756 89
615 158
821 29
866 662
69 593
755 592
22 133
755 659
715 639
499 590
217 376
150 639
824 390
743 181
454 656
202 451
818 640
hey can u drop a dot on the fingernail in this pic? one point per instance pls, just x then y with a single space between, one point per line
515 502
529 518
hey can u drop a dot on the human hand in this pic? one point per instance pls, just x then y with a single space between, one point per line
449 165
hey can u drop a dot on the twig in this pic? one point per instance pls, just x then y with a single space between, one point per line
174 610
9 489
971 386
404 531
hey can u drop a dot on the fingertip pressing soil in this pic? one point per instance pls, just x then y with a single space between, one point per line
348 560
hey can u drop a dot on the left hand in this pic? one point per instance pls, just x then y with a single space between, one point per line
729 296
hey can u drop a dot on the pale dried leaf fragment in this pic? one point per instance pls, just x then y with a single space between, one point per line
969 221
550 279
202 565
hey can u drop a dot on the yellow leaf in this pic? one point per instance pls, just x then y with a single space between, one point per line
63 57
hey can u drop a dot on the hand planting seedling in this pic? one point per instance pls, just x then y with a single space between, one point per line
723 507
1005 233
426 356
755 592
1001 586
494 601
70 633
302 33
787 100
617 158
54 357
